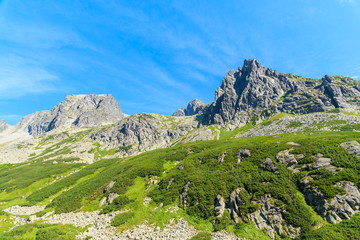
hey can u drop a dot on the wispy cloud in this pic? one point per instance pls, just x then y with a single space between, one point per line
19 77
11 118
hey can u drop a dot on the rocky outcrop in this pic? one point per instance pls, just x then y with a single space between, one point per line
221 157
3 125
288 159
253 92
181 112
194 107
268 165
270 217
267 216
144 132
321 162
352 147
219 206
183 196
342 206
312 121
243 153
77 111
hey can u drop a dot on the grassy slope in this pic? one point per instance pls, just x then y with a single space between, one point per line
207 179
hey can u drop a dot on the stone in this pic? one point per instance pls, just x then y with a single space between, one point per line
221 157
270 217
109 186
219 206
352 147
183 195
268 165
181 112
288 159
169 183
243 153
342 206
194 107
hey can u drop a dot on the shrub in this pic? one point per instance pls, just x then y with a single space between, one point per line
122 218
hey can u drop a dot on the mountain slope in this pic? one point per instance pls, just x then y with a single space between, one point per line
275 156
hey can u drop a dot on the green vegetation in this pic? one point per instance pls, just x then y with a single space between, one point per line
335 110
294 124
122 218
207 178
56 187
41 231
118 203
331 123
347 229
202 236
23 175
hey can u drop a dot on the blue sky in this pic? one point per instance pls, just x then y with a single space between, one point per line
156 56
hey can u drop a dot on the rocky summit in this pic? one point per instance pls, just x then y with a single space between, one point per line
75 111
274 156
255 92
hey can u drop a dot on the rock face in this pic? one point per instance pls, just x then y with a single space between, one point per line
194 107
288 159
76 111
143 132
352 147
268 165
3 125
253 92
342 206
267 216
270 217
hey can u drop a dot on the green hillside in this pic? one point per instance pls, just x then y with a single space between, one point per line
163 175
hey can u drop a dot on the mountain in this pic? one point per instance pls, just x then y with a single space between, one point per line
3 125
255 92
275 156
76 111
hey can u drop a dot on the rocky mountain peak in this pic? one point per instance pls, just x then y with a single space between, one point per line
194 107
252 67
75 111
3 125
253 92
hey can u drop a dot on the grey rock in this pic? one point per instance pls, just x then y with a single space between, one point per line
288 159
270 217
254 92
169 183
3 125
194 107
76 110
111 197
336 209
243 153
181 112
219 206
142 132
320 161
109 186
352 147
221 157
268 165
183 196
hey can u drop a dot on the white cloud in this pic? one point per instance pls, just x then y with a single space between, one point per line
20 76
